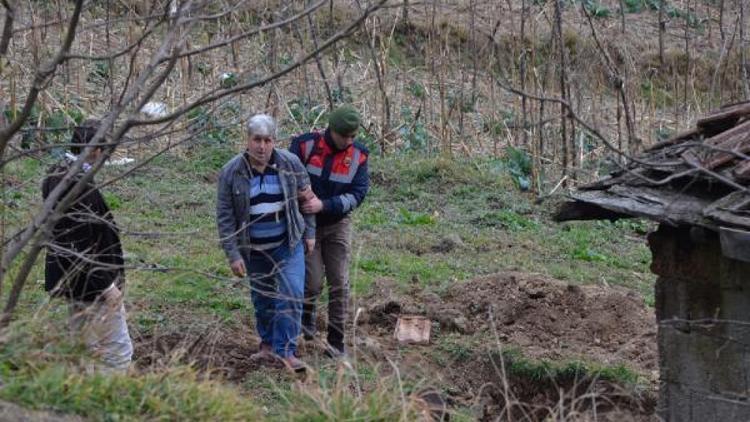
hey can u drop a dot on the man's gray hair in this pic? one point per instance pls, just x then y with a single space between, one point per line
262 124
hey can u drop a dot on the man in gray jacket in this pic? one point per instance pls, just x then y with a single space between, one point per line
264 234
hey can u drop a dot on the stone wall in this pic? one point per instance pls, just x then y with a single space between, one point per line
703 311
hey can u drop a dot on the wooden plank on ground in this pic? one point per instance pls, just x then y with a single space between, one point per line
724 119
678 138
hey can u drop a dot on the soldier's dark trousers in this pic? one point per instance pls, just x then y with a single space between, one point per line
330 259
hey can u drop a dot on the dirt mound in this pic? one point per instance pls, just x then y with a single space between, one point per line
545 318
542 318
551 319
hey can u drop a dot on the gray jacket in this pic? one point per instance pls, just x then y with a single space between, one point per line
233 203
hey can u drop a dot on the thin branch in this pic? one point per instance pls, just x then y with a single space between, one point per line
615 76
575 117
71 185
255 31
314 35
119 53
220 93
10 14
43 74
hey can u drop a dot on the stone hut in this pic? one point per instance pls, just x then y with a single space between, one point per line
695 185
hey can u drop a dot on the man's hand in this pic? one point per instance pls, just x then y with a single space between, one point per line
238 268
309 246
312 206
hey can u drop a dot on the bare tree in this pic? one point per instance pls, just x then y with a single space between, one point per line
145 62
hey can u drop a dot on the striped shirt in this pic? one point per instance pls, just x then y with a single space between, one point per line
267 228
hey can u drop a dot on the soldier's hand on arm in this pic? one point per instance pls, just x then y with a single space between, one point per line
312 206
305 194
238 268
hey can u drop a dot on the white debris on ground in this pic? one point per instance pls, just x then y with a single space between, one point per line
120 161
228 79
154 109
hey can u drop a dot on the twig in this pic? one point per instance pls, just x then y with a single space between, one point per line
220 93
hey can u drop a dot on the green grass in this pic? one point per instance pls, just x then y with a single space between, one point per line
454 348
42 369
340 395
427 223
420 202
174 395
539 370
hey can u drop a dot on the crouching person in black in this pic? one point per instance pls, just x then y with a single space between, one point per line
84 262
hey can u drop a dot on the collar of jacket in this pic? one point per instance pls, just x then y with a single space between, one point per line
331 144
247 168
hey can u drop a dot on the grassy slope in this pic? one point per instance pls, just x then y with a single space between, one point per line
436 221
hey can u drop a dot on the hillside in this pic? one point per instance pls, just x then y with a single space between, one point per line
431 236
531 319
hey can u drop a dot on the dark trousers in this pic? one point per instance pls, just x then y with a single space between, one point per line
330 258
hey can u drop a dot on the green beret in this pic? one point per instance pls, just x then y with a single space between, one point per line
344 120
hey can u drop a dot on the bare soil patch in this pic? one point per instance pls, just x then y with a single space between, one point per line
542 318
546 318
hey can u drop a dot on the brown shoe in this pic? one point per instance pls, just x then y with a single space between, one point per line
265 351
294 364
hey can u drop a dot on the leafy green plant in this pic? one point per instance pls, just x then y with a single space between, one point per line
377 265
371 217
693 20
656 94
585 140
514 221
414 133
212 125
585 253
41 126
368 139
508 219
663 133
342 95
305 113
519 164
498 127
634 6
101 71
204 68
416 89
228 79
462 101
596 9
